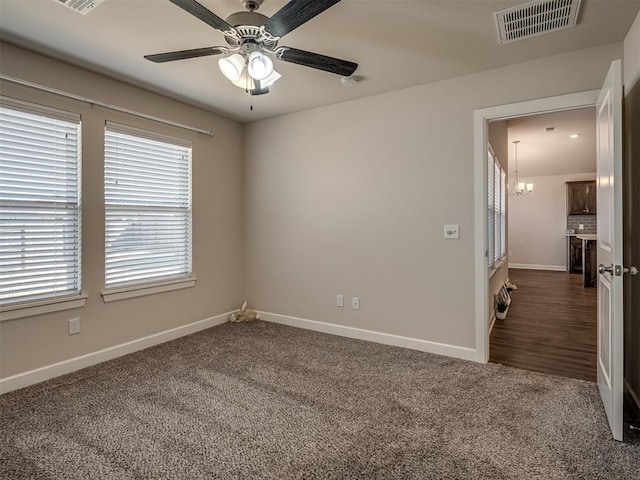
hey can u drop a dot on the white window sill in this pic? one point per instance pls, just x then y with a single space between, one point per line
40 307
123 293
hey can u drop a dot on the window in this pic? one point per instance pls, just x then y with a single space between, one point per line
147 187
503 214
496 210
39 204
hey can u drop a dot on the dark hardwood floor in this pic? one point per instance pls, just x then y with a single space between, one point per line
551 326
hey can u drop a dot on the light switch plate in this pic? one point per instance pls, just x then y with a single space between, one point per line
451 231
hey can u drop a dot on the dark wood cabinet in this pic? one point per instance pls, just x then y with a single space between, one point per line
590 261
575 255
581 198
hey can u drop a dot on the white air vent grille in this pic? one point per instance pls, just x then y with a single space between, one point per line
536 18
81 6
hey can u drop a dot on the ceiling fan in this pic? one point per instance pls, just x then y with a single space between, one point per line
251 35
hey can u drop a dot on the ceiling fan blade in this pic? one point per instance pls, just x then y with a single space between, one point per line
294 14
184 54
315 60
197 10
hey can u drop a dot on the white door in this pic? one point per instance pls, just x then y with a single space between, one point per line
610 301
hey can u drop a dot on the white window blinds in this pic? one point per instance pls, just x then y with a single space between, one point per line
39 202
147 207
490 199
503 213
496 209
496 214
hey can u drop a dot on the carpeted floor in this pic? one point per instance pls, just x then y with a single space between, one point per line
265 401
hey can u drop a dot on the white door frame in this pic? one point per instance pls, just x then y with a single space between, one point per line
481 119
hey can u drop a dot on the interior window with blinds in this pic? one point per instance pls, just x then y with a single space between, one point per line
496 209
39 203
147 186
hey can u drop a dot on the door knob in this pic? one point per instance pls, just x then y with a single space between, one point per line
602 269
631 270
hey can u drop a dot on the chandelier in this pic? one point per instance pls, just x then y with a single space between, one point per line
519 188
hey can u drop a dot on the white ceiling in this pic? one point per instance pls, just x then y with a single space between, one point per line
553 153
397 43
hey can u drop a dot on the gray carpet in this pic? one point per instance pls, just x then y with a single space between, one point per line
265 401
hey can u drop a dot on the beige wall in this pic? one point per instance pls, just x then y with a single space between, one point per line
352 199
33 342
499 140
537 222
632 202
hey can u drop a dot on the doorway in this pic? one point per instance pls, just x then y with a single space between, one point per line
551 324
484 308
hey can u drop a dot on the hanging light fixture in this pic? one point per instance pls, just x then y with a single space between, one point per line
519 188
259 66
232 66
252 71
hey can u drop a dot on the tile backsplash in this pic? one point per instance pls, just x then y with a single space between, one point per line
589 222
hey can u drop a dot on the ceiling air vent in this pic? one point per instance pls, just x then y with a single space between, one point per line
536 18
81 6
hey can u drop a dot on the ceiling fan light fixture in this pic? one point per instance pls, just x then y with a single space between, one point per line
253 42
271 79
232 66
245 81
259 66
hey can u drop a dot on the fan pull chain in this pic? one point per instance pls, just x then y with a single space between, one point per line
246 89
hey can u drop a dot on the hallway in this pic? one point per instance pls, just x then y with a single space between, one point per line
551 325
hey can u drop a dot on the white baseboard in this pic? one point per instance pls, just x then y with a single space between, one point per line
377 337
31 377
633 394
531 266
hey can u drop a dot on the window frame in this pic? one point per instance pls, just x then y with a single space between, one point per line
125 290
70 298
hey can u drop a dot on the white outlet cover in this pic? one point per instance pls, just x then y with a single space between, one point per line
339 300
355 303
452 231
74 326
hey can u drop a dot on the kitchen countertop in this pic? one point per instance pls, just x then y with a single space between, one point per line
587 236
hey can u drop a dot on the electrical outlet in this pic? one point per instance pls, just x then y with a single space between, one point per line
355 303
452 231
74 326
339 300
580 226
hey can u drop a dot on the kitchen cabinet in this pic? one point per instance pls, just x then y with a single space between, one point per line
575 255
589 264
581 198
582 257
